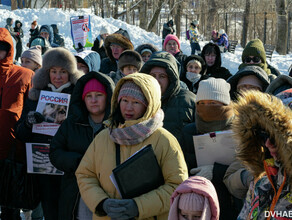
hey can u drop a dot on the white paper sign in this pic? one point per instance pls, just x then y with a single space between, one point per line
38 160
81 31
54 107
215 147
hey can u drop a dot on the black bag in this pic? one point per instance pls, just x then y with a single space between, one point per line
18 189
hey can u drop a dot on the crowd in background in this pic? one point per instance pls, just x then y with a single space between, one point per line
124 98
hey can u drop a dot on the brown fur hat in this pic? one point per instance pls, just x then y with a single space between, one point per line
117 39
255 109
54 57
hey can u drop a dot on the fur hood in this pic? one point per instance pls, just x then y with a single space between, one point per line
118 39
142 47
54 57
264 111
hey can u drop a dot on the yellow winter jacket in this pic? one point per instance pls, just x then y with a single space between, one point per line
93 173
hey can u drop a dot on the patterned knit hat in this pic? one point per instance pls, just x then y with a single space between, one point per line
34 53
214 89
129 88
93 85
254 48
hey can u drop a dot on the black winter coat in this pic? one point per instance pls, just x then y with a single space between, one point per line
216 71
108 66
99 48
71 142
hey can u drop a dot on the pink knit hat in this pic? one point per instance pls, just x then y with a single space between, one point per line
193 194
171 37
93 85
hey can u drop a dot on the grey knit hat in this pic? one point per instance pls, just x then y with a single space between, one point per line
214 89
129 88
34 53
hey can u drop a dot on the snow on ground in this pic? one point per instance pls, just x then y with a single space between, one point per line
138 36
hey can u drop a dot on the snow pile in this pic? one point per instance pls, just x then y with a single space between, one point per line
138 36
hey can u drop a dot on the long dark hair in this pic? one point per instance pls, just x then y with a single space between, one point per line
116 117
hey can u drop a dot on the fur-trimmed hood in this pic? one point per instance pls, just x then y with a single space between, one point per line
118 39
142 47
255 109
54 57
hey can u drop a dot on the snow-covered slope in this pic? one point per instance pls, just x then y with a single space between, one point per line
138 35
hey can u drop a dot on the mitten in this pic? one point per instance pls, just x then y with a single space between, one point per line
204 171
121 209
34 117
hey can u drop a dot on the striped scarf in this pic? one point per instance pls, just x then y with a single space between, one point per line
137 133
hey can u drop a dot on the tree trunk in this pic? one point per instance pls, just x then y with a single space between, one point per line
13 4
177 19
245 23
128 11
151 26
102 8
212 11
282 27
143 15
116 9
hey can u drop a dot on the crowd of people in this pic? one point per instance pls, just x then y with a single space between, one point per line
124 98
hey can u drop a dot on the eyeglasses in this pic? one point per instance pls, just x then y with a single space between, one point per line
253 59
263 136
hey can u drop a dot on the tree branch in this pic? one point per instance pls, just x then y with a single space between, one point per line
132 8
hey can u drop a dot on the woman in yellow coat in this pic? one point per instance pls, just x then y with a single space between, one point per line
135 121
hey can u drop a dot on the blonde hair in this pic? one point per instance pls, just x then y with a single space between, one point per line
194 61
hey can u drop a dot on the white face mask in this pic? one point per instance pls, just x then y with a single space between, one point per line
193 77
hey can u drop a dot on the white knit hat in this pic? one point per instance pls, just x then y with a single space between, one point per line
214 89
34 53
104 30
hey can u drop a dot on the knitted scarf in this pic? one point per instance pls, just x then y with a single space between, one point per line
137 133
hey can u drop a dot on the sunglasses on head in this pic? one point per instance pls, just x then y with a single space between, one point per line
254 59
263 136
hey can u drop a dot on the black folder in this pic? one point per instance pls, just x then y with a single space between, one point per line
139 174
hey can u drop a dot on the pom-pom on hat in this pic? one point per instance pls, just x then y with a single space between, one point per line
171 37
34 53
214 89
93 85
129 88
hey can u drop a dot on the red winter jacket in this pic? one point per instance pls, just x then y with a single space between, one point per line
15 81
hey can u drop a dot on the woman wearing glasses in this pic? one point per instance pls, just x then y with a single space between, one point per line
263 129
254 55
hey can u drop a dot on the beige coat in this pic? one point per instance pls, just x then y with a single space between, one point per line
99 161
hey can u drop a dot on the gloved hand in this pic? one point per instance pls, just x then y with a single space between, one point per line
204 171
34 117
121 209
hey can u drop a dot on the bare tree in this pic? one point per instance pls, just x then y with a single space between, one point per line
13 4
143 15
212 11
155 16
245 23
282 27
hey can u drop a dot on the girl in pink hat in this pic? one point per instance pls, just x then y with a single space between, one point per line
195 198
